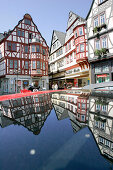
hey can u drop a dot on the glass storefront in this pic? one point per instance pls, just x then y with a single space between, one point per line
102 78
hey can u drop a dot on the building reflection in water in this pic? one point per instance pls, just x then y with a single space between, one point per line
30 112
83 108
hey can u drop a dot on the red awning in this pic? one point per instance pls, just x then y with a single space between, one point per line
102 75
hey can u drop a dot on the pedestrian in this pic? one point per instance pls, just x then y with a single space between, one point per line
53 86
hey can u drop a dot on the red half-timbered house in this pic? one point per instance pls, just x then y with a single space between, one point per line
23 57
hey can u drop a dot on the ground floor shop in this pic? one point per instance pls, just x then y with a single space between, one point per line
102 71
77 76
13 84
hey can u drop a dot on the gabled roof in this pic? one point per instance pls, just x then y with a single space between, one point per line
60 36
90 9
10 31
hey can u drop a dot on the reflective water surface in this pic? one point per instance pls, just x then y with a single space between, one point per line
67 130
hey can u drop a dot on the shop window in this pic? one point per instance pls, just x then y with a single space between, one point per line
33 64
11 63
15 64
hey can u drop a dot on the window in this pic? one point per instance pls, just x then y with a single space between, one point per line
34 65
101 140
77 49
20 33
26 49
44 52
102 125
97 44
13 47
26 64
97 69
102 19
9 46
30 35
105 68
69 45
68 60
71 58
107 143
96 123
80 31
15 64
76 35
79 105
33 48
98 107
82 118
11 63
27 21
81 47
104 108
38 64
83 106
96 22
100 1
37 48
104 42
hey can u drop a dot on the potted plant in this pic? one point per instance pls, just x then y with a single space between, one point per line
104 51
97 52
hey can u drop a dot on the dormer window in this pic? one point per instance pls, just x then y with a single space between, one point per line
27 21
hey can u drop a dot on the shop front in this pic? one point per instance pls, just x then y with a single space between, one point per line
100 78
78 77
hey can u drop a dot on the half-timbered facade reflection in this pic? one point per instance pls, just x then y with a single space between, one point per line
23 57
30 112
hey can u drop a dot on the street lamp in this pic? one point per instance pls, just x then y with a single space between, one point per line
17 71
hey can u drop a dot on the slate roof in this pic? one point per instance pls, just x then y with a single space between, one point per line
1 36
60 36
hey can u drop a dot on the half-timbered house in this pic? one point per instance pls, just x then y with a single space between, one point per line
100 40
23 57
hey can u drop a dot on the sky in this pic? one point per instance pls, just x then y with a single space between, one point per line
48 15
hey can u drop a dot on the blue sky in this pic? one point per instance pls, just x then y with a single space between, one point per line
47 14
